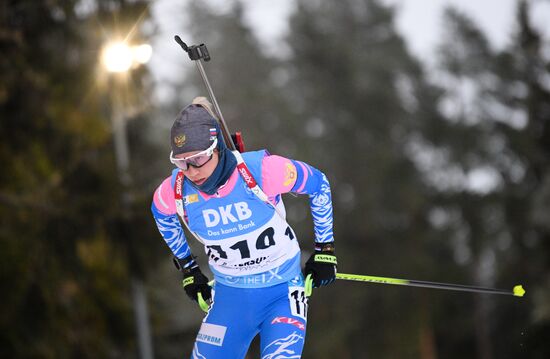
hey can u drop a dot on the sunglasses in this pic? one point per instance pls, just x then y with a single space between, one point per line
197 160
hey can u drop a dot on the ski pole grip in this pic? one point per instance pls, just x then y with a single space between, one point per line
202 303
308 287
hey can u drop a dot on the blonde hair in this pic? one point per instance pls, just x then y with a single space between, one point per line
204 103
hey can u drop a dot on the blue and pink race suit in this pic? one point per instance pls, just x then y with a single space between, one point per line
253 253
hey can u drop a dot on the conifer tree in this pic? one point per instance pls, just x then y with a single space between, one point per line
361 101
64 274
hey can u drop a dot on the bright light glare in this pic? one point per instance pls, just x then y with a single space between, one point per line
142 53
117 57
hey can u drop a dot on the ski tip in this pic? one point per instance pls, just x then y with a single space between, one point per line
519 291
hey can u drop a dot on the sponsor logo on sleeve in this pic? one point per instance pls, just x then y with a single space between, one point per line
290 174
321 199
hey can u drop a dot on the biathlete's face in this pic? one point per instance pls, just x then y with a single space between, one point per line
197 165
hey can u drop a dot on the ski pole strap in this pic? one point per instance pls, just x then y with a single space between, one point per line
185 264
188 280
326 258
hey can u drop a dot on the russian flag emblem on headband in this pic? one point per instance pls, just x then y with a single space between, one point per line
213 132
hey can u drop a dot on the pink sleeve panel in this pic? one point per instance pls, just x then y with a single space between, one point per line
306 172
164 198
278 175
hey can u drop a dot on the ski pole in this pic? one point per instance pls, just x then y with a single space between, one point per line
517 291
197 53
203 304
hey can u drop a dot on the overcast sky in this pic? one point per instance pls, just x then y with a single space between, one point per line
419 21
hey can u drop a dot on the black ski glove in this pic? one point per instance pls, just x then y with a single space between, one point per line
194 281
322 265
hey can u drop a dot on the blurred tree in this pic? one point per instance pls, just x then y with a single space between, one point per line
525 97
469 147
496 153
63 274
428 183
362 100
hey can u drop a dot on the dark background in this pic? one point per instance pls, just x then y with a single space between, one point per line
441 177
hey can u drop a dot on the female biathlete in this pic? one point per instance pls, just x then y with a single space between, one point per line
232 203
